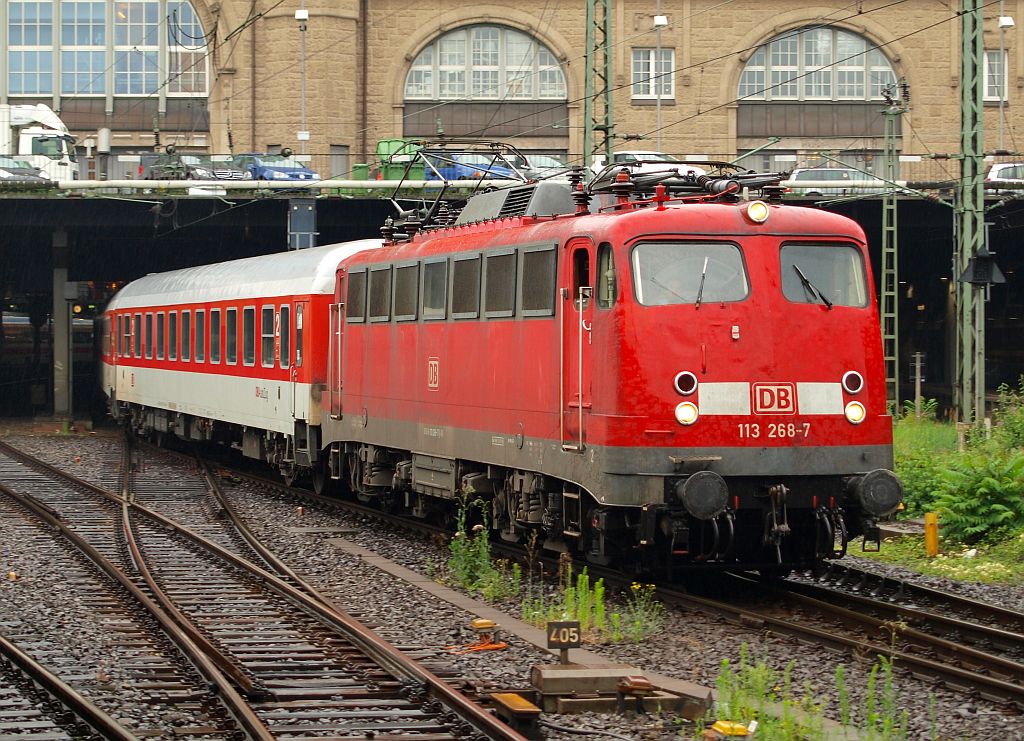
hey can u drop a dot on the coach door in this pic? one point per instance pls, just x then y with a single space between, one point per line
299 410
334 358
575 342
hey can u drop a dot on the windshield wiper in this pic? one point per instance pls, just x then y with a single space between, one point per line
810 287
700 288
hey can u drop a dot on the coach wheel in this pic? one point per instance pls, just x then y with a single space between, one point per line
289 475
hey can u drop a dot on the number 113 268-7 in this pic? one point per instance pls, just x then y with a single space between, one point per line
774 430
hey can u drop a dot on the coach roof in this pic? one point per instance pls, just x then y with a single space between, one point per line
296 272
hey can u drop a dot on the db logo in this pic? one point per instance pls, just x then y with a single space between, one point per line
774 398
433 373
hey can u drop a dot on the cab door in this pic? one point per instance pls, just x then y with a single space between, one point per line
577 308
334 362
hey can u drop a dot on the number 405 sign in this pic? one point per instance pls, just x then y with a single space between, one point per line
564 634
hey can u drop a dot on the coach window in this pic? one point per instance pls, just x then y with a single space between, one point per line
160 340
355 304
435 288
214 335
298 335
186 335
267 336
607 285
407 280
379 309
500 283
823 274
137 325
231 336
200 336
537 281
119 348
466 287
286 336
148 344
249 335
172 335
666 273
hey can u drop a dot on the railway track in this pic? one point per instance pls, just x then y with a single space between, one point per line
977 656
295 664
37 704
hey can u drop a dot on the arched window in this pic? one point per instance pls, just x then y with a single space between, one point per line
77 34
816 64
485 63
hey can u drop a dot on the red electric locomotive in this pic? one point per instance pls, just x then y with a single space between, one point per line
658 374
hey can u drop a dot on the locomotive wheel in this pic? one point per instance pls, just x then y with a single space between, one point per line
320 477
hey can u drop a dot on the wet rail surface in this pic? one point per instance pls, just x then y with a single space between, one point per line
306 668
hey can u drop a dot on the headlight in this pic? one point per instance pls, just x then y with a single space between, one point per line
5 174
685 382
246 175
855 412
278 175
202 173
757 211
686 413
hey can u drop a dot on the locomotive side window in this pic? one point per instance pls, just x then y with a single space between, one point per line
286 335
466 287
581 275
355 303
172 335
666 273
200 335
138 335
231 336
607 284
435 289
537 281
380 294
407 282
249 335
500 284
159 335
267 336
214 335
148 344
823 274
186 335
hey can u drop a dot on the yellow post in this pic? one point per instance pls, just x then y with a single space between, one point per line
931 534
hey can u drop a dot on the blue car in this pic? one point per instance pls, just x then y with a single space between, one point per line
466 166
274 167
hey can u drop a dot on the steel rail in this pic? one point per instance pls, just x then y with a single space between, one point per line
83 709
234 703
381 651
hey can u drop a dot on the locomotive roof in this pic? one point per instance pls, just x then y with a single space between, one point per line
296 272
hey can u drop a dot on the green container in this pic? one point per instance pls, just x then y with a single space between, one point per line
361 171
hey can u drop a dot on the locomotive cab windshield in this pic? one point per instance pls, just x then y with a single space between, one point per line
668 273
813 272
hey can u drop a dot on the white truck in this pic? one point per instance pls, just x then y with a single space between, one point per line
36 134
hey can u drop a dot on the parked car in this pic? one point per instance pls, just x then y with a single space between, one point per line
834 181
274 167
178 166
19 171
1006 172
538 166
467 166
642 161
